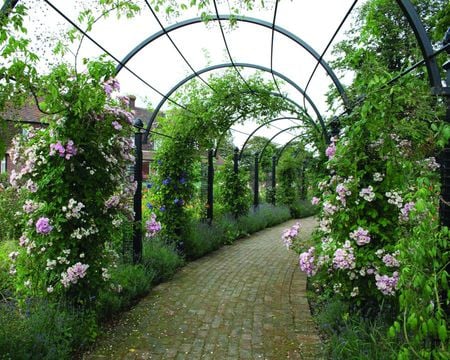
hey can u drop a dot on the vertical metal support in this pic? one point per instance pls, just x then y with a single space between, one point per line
274 179
335 127
444 208
256 184
303 179
236 160
210 201
137 201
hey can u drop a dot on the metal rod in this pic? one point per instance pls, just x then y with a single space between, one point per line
256 184
210 200
137 200
274 179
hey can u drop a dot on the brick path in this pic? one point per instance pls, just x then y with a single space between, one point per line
244 301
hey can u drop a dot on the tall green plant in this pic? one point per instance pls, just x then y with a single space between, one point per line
235 194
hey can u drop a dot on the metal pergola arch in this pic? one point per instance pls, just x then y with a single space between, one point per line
273 137
307 118
229 65
285 146
250 20
261 126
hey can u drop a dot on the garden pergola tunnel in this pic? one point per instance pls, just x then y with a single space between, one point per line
406 7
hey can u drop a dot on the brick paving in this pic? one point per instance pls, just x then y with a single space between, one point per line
244 301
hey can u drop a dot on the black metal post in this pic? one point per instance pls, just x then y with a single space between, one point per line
274 179
210 202
256 184
444 208
137 201
303 194
236 160
335 127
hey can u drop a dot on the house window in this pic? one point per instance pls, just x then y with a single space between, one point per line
3 165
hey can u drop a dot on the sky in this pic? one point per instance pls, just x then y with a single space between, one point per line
160 65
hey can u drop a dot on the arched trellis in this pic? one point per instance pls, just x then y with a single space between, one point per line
250 20
261 126
229 65
307 118
285 146
428 59
273 137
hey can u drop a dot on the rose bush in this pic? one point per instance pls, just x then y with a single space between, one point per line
73 175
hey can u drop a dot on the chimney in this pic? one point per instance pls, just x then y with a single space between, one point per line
132 101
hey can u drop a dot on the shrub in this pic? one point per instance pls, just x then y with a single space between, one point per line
43 330
303 208
128 282
9 206
351 336
161 259
6 281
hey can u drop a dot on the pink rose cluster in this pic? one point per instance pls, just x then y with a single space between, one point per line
73 274
344 258
315 200
404 212
152 226
289 234
111 85
387 284
330 151
361 236
63 151
307 262
43 226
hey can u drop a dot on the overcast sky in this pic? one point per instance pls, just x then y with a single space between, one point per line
161 66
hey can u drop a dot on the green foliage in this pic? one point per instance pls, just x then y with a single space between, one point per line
61 184
161 259
10 202
42 330
196 130
288 175
235 195
6 281
303 208
351 336
128 283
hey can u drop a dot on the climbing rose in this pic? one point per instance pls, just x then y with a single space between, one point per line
367 194
315 200
306 262
43 226
343 258
330 151
361 236
290 234
387 285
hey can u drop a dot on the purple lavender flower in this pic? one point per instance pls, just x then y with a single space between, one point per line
152 226
43 226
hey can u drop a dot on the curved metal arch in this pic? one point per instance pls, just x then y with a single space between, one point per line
273 137
426 47
250 20
240 117
261 126
227 65
285 146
